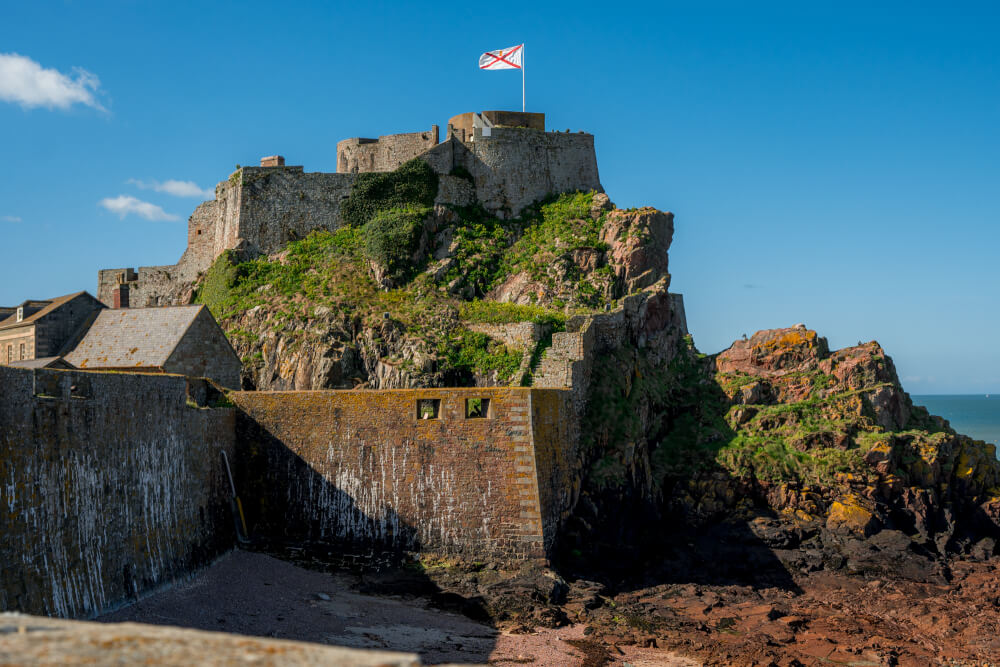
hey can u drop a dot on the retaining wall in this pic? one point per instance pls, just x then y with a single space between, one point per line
110 485
360 467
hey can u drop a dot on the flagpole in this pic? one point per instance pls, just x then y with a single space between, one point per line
522 78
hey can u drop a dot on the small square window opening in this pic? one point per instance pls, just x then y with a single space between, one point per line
428 408
477 408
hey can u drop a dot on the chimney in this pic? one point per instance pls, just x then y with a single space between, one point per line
273 161
121 296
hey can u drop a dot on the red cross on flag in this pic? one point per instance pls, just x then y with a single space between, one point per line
509 58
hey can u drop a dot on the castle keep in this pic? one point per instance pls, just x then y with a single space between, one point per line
507 160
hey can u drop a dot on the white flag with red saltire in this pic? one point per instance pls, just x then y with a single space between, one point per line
509 58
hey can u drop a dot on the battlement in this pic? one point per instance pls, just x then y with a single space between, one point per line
385 153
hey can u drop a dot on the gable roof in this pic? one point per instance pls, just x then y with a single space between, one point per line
43 362
47 306
133 337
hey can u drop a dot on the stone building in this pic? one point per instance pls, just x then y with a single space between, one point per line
501 160
185 340
38 329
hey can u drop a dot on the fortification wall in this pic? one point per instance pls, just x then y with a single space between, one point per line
360 467
385 153
282 204
652 320
514 167
111 486
260 209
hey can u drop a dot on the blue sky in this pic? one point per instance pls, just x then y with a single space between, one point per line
828 163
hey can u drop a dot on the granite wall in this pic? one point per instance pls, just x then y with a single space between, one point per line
385 153
110 485
261 209
361 468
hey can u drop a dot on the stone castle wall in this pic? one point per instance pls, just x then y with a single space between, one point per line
112 484
515 167
385 153
360 467
568 363
260 209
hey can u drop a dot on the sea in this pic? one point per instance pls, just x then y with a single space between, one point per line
975 415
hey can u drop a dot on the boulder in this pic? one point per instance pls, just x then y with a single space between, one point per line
848 515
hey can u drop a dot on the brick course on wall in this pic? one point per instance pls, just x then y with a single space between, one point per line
112 484
359 467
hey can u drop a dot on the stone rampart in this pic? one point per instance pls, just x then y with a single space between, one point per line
385 153
261 209
515 167
361 468
257 210
110 485
652 320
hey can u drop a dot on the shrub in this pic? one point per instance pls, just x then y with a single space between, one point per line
392 236
466 352
215 290
414 183
496 312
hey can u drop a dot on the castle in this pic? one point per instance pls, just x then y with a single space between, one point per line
116 483
502 160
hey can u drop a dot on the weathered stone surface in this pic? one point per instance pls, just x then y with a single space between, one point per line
639 241
773 352
36 640
847 514
113 484
260 209
361 467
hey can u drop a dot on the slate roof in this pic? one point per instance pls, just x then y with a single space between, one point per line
48 305
43 362
133 337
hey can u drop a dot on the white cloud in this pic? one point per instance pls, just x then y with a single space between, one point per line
25 82
10 218
123 205
175 188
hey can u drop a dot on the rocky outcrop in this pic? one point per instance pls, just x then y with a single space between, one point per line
638 241
632 254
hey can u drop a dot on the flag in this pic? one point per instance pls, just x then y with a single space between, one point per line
509 58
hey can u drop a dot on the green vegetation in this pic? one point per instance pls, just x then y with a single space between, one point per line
496 312
691 427
329 274
489 250
480 243
462 172
391 238
413 184
466 352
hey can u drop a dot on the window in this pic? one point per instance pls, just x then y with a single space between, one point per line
10 353
22 351
20 313
428 408
477 408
